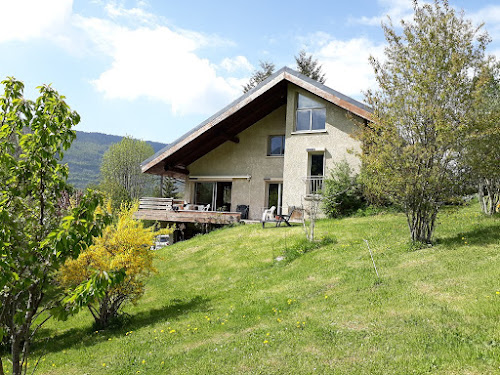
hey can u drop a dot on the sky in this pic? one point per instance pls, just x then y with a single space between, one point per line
154 69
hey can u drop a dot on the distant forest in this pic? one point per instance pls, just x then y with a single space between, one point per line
85 155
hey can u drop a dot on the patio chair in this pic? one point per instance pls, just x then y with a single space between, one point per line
285 218
268 215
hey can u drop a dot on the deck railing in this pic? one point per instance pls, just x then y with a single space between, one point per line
314 184
176 211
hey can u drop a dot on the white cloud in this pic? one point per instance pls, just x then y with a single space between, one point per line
395 9
116 10
490 16
27 19
236 63
148 58
159 63
346 64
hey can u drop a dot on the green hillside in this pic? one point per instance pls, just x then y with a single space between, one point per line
85 155
221 304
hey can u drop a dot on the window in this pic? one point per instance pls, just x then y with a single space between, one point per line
311 115
317 164
276 145
316 172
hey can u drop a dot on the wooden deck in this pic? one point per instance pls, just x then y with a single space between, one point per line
189 216
161 209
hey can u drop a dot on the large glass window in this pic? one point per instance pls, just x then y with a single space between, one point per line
311 114
216 194
276 145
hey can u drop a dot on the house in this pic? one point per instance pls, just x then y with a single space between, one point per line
270 147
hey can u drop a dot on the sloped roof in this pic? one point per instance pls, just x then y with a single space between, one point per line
241 114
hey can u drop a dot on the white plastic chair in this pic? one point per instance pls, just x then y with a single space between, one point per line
268 215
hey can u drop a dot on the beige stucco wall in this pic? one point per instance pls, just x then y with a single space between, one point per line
336 140
248 157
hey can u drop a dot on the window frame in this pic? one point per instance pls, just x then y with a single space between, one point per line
309 110
269 151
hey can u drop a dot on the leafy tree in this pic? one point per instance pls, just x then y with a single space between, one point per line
482 139
167 188
125 246
309 67
424 97
37 234
121 173
259 75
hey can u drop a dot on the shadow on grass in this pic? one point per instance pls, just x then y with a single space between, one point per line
481 236
48 343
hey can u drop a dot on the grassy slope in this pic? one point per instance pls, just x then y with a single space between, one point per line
220 304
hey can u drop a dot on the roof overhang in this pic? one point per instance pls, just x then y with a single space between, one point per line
226 124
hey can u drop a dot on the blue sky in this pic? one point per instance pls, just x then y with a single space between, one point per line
154 69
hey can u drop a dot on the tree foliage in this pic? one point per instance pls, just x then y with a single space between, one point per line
482 139
121 174
420 111
123 246
259 75
310 67
37 234
167 188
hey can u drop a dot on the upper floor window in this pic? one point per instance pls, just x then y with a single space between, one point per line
276 145
311 115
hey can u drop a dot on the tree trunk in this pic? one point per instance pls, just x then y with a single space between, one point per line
481 196
493 195
16 355
421 225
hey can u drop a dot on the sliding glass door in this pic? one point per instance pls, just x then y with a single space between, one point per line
274 196
216 194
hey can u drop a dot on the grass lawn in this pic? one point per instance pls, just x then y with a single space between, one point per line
221 304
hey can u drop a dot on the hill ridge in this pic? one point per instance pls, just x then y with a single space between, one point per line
84 157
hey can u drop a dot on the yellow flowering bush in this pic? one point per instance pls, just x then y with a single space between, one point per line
124 245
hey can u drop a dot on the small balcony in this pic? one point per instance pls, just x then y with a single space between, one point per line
314 185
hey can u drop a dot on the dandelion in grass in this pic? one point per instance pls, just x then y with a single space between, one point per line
266 342
103 365
143 361
172 331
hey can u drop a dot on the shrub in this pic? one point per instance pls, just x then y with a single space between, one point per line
123 246
341 191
